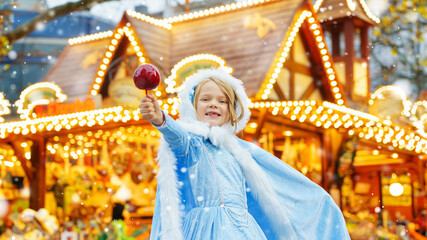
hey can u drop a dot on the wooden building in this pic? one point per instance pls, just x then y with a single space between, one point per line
305 101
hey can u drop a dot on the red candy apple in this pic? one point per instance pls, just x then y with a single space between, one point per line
146 77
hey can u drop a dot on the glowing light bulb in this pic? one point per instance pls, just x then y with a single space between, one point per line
396 189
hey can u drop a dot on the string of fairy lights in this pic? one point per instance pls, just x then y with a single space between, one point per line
90 37
320 114
116 37
352 5
171 81
286 45
112 48
4 107
325 115
329 115
24 111
90 143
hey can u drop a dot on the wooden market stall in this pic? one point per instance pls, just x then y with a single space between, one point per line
306 105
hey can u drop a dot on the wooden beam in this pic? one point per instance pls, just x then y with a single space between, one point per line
297 67
310 89
38 185
26 165
349 51
335 35
316 70
260 123
326 158
364 42
279 92
420 170
291 84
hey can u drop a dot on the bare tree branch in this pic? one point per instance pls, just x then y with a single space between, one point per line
48 15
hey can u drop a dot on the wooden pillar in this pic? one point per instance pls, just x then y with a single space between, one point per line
38 184
260 123
20 154
326 158
420 175
349 54
381 189
420 172
364 42
335 35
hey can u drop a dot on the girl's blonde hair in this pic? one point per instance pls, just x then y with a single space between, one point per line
231 94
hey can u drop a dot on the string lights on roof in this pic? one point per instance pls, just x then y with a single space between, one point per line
216 10
157 22
89 38
91 142
320 114
286 45
24 111
419 117
330 115
171 80
317 4
4 107
384 90
351 4
368 12
68 121
111 49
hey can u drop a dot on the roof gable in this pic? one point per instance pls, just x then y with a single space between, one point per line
334 9
319 74
77 65
223 34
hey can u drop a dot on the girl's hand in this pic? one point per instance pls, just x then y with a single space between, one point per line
150 110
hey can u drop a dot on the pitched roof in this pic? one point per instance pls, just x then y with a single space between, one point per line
224 35
77 66
223 31
335 9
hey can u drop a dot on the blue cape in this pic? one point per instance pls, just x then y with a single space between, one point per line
310 209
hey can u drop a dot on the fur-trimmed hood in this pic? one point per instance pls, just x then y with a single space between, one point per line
187 110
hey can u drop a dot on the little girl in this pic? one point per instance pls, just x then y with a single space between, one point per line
213 185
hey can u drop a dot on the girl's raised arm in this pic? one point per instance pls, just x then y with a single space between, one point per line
174 134
150 110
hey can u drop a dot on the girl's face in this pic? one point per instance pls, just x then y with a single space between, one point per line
212 105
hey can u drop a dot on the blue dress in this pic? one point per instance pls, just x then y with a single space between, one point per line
214 201
213 185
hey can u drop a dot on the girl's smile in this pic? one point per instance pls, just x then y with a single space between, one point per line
212 105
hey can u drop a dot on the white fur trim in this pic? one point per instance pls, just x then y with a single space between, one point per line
186 108
169 194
